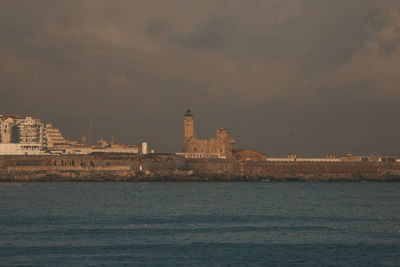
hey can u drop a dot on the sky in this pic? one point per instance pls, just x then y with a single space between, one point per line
308 77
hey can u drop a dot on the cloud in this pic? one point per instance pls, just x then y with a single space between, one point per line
374 64
138 61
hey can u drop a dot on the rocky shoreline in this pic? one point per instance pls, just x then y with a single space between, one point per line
169 167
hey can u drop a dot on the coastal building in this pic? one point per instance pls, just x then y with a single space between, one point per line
21 149
134 149
193 147
29 136
249 154
370 158
21 136
29 131
54 137
144 148
102 146
6 128
330 158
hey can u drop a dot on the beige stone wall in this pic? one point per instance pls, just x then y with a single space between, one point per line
220 146
106 167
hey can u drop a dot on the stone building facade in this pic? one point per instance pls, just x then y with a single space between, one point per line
249 154
221 146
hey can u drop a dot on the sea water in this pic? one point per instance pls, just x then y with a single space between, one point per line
200 224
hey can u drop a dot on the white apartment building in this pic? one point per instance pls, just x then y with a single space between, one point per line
29 136
54 137
29 131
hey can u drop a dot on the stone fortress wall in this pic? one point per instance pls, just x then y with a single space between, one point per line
169 167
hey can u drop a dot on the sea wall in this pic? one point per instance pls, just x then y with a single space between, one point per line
169 167
297 171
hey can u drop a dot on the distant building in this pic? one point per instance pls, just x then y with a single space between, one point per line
29 131
21 136
20 149
18 130
190 155
54 137
102 143
330 158
134 149
144 148
370 158
29 136
192 146
249 154
6 128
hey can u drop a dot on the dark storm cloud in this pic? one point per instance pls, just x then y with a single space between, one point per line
384 25
326 70
157 27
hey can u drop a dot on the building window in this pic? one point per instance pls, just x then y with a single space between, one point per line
220 150
195 149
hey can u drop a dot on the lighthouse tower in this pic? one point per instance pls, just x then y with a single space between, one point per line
188 125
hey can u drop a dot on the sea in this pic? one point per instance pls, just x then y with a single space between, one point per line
200 224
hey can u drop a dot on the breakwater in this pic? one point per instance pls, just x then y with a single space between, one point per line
169 167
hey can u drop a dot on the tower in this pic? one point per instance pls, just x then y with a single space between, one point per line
188 125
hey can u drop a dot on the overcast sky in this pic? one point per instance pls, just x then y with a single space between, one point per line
308 76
